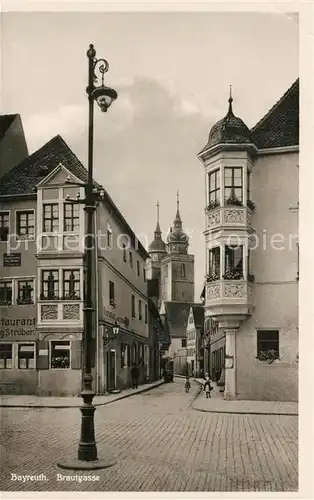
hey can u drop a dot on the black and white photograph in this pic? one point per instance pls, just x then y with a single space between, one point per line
149 250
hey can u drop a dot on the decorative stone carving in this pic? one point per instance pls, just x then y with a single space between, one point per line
49 311
71 311
213 291
213 218
234 290
234 216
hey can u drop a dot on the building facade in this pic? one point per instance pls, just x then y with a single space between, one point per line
42 282
251 235
195 341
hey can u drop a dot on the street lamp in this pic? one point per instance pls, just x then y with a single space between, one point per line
87 458
115 330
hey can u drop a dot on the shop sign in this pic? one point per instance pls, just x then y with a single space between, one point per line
11 260
17 328
110 315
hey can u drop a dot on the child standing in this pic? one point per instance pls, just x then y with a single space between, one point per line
207 388
187 384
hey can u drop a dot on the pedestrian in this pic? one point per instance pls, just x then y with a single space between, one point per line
207 387
187 384
134 375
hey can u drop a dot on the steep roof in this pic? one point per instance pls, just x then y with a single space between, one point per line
198 313
280 126
176 317
23 178
5 123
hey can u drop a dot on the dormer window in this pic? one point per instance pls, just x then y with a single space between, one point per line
214 186
233 183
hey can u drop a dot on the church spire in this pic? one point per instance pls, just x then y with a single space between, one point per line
157 230
178 217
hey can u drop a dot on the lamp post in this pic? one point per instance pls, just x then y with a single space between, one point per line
87 458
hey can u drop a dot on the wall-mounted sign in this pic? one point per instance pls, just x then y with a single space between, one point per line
17 328
11 260
109 314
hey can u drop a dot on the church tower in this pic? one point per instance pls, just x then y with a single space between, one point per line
156 251
177 267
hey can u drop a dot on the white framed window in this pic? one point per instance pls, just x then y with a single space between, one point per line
25 224
50 217
6 356
6 293
4 225
60 354
25 291
26 356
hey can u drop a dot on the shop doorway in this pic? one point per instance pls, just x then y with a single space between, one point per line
111 370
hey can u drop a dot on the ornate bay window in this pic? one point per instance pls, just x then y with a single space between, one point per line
214 188
49 285
233 263
233 185
71 284
213 264
71 217
50 217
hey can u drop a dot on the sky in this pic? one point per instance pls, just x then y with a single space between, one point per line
172 72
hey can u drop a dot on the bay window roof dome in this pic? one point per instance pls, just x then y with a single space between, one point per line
229 130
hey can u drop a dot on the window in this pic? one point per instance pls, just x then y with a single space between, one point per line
6 356
26 356
138 268
109 237
71 217
122 354
71 284
268 340
25 224
182 270
111 294
141 354
140 310
124 252
146 313
60 354
248 192
133 306
144 275
233 262
214 186
134 354
5 293
4 226
51 218
183 342
233 183
49 285
131 259
214 262
25 292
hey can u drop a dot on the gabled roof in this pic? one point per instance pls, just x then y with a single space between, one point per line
280 126
23 178
176 317
5 123
198 313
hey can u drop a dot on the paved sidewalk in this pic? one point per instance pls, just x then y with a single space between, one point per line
25 401
216 404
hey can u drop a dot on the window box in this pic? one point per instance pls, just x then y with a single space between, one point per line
233 275
25 301
268 356
212 277
44 296
233 200
212 205
251 205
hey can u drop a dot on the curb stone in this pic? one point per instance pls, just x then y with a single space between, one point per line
122 396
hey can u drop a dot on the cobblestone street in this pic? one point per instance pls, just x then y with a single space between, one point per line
160 442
